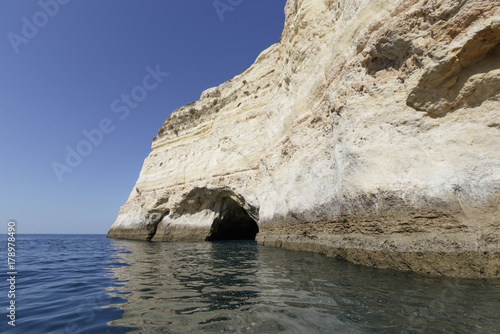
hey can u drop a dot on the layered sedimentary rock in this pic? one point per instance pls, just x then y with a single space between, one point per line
370 132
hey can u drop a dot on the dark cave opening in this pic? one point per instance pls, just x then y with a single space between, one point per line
233 223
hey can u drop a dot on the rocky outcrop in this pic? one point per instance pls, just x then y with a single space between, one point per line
370 132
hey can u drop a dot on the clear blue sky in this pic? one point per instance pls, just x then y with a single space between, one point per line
75 63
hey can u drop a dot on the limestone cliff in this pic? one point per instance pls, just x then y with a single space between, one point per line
370 132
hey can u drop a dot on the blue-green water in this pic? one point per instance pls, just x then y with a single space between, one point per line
90 284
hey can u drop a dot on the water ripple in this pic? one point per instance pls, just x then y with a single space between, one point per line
60 286
90 284
240 287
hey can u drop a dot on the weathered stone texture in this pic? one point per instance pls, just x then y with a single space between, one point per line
370 132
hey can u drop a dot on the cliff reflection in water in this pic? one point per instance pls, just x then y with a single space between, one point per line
241 287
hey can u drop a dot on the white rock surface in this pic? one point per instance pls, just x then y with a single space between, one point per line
370 132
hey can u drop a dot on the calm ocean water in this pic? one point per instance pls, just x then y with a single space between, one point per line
90 284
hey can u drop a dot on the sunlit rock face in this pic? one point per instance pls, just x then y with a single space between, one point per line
370 132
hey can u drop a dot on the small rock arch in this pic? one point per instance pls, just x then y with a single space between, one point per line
231 216
232 222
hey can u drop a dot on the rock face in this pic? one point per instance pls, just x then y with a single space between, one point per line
370 132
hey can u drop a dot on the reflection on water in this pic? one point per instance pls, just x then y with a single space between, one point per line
241 287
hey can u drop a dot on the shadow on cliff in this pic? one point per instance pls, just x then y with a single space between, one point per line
232 222
210 214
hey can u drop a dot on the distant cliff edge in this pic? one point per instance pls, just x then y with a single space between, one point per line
370 132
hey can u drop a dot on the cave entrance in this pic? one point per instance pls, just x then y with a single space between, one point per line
232 223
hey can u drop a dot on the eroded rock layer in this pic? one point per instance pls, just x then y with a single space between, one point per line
370 132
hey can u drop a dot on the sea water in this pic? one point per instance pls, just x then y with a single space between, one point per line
90 284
